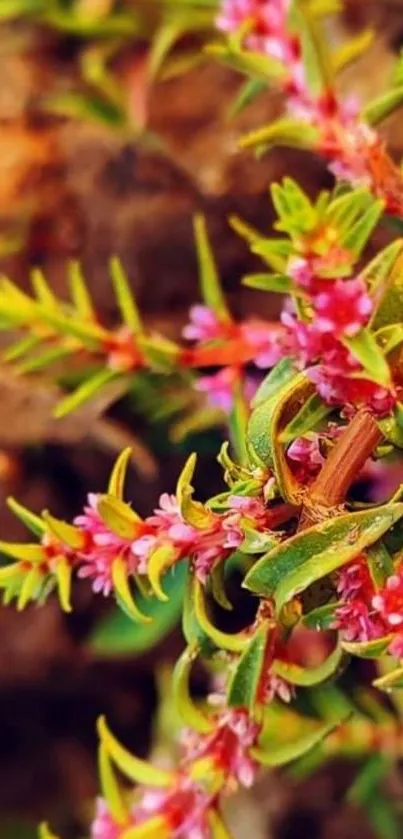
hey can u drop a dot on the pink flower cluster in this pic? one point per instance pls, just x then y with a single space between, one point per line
340 309
343 138
356 618
366 614
233 345
185 807
166 527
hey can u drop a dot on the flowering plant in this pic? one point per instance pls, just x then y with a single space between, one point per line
321 563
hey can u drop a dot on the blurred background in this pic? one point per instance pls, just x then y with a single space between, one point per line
96 159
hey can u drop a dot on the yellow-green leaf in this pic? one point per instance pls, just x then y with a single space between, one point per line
132 767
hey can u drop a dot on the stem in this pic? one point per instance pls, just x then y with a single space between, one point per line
345 461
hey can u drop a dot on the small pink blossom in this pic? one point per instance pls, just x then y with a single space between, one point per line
389 601
104 826
276 687
102 548
306 453
356 617
266 341
343 309
220 388
203 326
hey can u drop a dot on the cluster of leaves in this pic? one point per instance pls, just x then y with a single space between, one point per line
323 568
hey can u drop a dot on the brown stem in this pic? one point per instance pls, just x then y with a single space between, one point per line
345 461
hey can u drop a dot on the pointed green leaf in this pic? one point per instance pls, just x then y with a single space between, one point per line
311 414
368 649
283 132
132 767
208 274
312 554
193 512
380 108
190 714
244 686
84 393
308 676
365 349
64 532
223 640
118 474
281 755
380 564
352 49
34 523
392 681
124 296
358 236
80 294
269 282
118 516
278 378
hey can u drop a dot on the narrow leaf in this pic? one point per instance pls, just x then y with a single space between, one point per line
125 297
208 274
133 768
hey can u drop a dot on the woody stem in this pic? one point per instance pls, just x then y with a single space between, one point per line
345 461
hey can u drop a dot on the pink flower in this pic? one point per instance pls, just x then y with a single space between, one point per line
102 548
275 686
343 309
306 453
356 617
396 647
204 325
266 341
389 601
220 387
229 746
104 826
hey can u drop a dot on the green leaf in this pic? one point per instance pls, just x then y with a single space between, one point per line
392 430
34 523
367 649
352 49
117 634
250 90
345 210
312 412
79 292
378 273
190 714
380 564
84 392
244 686
297 216
269 282
281 755
321 618
124 296
383 817
312 554
383 106
365 349
192 630
208 274
359 234
84 107
392 681
232 642
308 676
368 779
256 542
193 512
275 252
283 132
118 516
265 428
238 421
390 306
278 378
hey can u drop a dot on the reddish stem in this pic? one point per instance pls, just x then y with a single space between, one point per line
345 461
